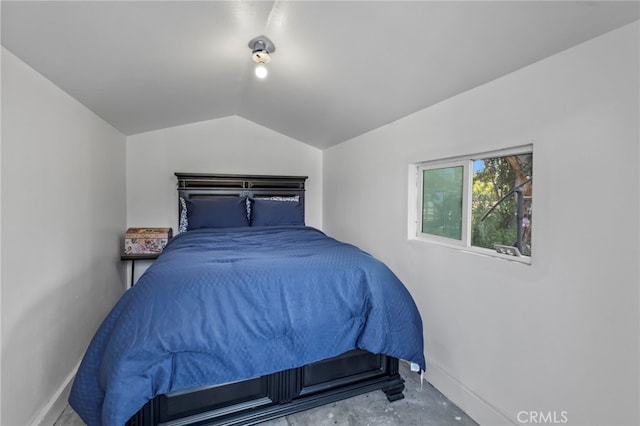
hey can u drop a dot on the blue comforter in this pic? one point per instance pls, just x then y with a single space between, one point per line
226 305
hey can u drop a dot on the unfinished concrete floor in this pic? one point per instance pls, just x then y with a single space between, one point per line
420 407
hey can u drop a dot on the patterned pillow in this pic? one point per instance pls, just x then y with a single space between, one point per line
183 216
279 198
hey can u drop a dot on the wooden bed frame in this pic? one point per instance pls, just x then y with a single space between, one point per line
285 392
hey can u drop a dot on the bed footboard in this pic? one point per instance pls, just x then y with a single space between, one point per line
276 395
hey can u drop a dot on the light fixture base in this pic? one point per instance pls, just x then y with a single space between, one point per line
266 43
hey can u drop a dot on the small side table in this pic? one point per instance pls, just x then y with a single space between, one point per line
138 256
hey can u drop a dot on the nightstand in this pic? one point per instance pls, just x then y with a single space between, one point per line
137 256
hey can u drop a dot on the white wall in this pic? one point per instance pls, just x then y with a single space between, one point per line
230 145
226 145
503 337
63 214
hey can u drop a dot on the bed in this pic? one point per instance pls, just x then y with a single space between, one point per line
246 319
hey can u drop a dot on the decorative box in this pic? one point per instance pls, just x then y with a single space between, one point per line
146 240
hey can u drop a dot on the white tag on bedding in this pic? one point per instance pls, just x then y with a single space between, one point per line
415 368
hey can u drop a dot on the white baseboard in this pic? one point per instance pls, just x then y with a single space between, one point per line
56 405
469 402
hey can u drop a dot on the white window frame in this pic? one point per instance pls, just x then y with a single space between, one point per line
416 193
465 217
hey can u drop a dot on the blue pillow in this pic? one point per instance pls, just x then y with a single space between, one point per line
272 213
225 212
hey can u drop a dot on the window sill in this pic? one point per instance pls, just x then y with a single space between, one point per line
478 251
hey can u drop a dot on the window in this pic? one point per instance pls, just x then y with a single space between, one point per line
482 202
442 202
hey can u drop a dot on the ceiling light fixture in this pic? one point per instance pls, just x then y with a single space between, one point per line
261 49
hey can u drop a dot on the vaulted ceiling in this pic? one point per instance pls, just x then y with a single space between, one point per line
339 70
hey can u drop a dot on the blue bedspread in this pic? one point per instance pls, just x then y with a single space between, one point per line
226 305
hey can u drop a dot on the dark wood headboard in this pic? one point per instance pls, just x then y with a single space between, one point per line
206 185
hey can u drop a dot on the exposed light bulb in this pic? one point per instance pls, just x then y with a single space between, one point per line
261 71
261 49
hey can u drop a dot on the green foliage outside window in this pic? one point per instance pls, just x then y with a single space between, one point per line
492 179
489 202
